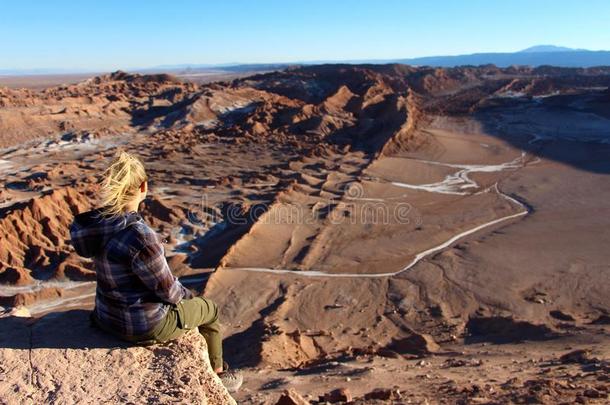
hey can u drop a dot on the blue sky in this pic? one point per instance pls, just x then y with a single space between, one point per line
109 34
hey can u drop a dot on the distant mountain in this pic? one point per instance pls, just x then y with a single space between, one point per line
535 56
549 48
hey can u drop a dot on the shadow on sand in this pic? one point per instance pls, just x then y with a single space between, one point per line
570 129
58 330
503 330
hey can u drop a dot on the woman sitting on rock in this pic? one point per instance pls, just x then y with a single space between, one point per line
138 298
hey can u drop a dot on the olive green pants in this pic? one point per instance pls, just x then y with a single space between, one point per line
200 313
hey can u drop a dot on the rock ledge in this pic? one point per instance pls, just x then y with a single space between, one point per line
60 358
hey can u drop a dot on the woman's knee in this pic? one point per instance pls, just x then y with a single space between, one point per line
212 309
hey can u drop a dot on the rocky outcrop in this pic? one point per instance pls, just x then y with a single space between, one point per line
111 103
61 359
35 237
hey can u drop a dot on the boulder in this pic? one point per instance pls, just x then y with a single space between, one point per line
60 358
338 395
416 343
581 356
291 397
384 394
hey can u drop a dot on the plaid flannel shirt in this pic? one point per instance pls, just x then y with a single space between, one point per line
135 286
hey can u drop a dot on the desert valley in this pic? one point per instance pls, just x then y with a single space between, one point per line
371 233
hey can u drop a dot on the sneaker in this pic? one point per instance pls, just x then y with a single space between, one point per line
231 379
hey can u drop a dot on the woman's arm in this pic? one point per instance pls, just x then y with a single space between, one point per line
150 265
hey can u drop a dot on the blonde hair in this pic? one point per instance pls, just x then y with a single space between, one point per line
121 182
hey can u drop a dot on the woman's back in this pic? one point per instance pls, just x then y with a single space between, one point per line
134 284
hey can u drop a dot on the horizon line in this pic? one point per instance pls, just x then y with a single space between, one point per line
66 70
